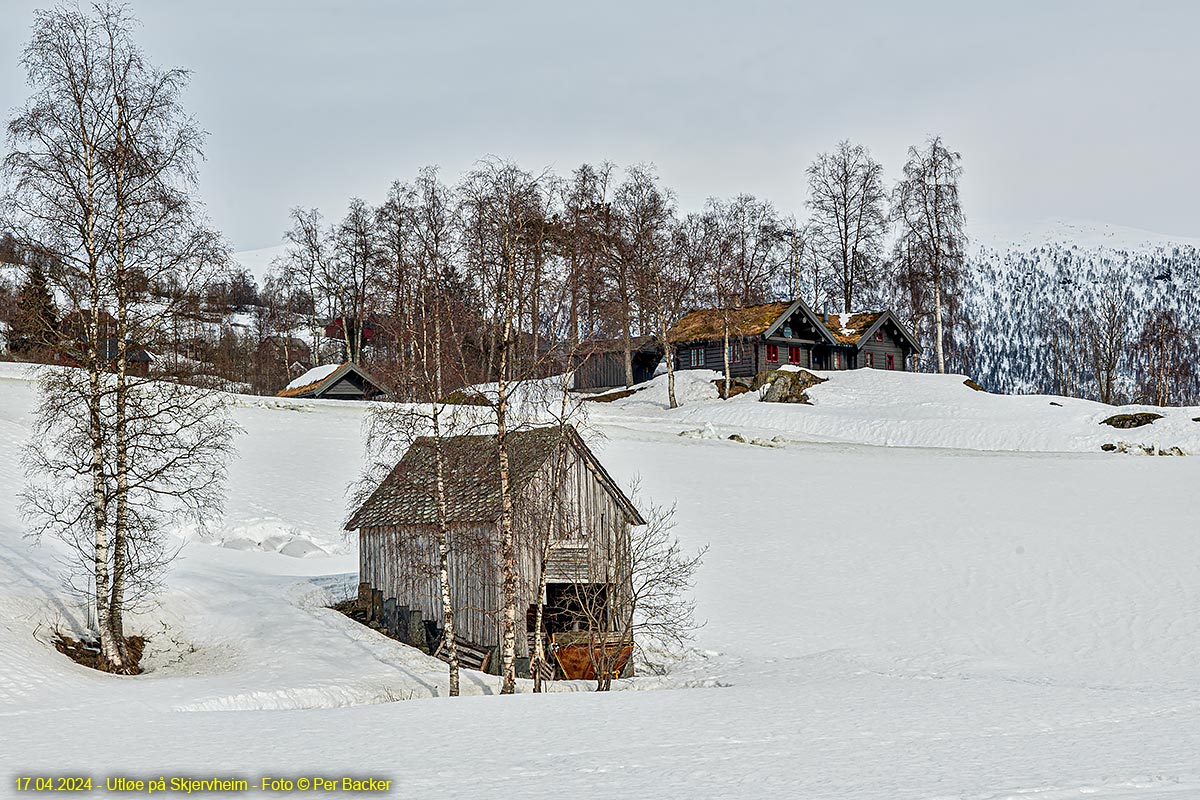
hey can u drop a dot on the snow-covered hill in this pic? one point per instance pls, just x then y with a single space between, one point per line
996 609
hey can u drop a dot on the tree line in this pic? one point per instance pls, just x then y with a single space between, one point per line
604 253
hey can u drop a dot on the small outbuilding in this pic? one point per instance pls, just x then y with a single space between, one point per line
598 364
568 515
347 381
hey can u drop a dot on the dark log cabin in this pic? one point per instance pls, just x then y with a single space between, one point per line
767 336
561 494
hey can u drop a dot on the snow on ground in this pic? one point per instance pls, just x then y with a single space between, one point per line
907 410
995 609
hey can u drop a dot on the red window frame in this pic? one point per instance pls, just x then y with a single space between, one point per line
772 354
696 357
837 360
795 354
735 353
891 361
879 335
870 360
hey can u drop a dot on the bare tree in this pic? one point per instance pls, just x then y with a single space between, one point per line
503 207
649 598
799 262
673 284
932 237
848 223
581 245
1167 352
638 223
100 164
303 269
1107 337
1068 362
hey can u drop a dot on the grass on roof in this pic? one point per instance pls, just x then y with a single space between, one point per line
708 323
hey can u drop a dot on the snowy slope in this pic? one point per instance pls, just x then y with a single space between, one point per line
1029 285
961 617
911 410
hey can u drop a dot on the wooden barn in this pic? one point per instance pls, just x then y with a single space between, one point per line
598 364
347 381
764 337
561 495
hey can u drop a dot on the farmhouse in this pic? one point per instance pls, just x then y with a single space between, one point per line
346 381
600 363
764 337
562 497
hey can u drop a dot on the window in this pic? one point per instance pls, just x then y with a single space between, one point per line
870 360
696 357
879 335
772 354
794 354
837 360
891 361
735 353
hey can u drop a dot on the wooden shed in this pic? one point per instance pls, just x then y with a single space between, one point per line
568 513
600 363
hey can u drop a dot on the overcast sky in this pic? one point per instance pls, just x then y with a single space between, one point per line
1075 110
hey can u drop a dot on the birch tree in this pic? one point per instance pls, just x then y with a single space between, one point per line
932 236
649 602
502 206
848 223
1167 351
1106 333
101 162
674 283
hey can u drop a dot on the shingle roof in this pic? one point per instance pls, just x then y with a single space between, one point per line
406 496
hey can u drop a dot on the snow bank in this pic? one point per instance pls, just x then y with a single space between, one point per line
904 409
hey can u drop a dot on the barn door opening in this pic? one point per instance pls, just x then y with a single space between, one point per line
577 607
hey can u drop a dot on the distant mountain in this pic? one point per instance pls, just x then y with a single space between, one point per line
1026 281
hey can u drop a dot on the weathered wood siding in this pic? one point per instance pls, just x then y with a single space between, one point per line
607 370
402 561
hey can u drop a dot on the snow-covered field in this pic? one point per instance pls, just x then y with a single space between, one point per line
918 591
